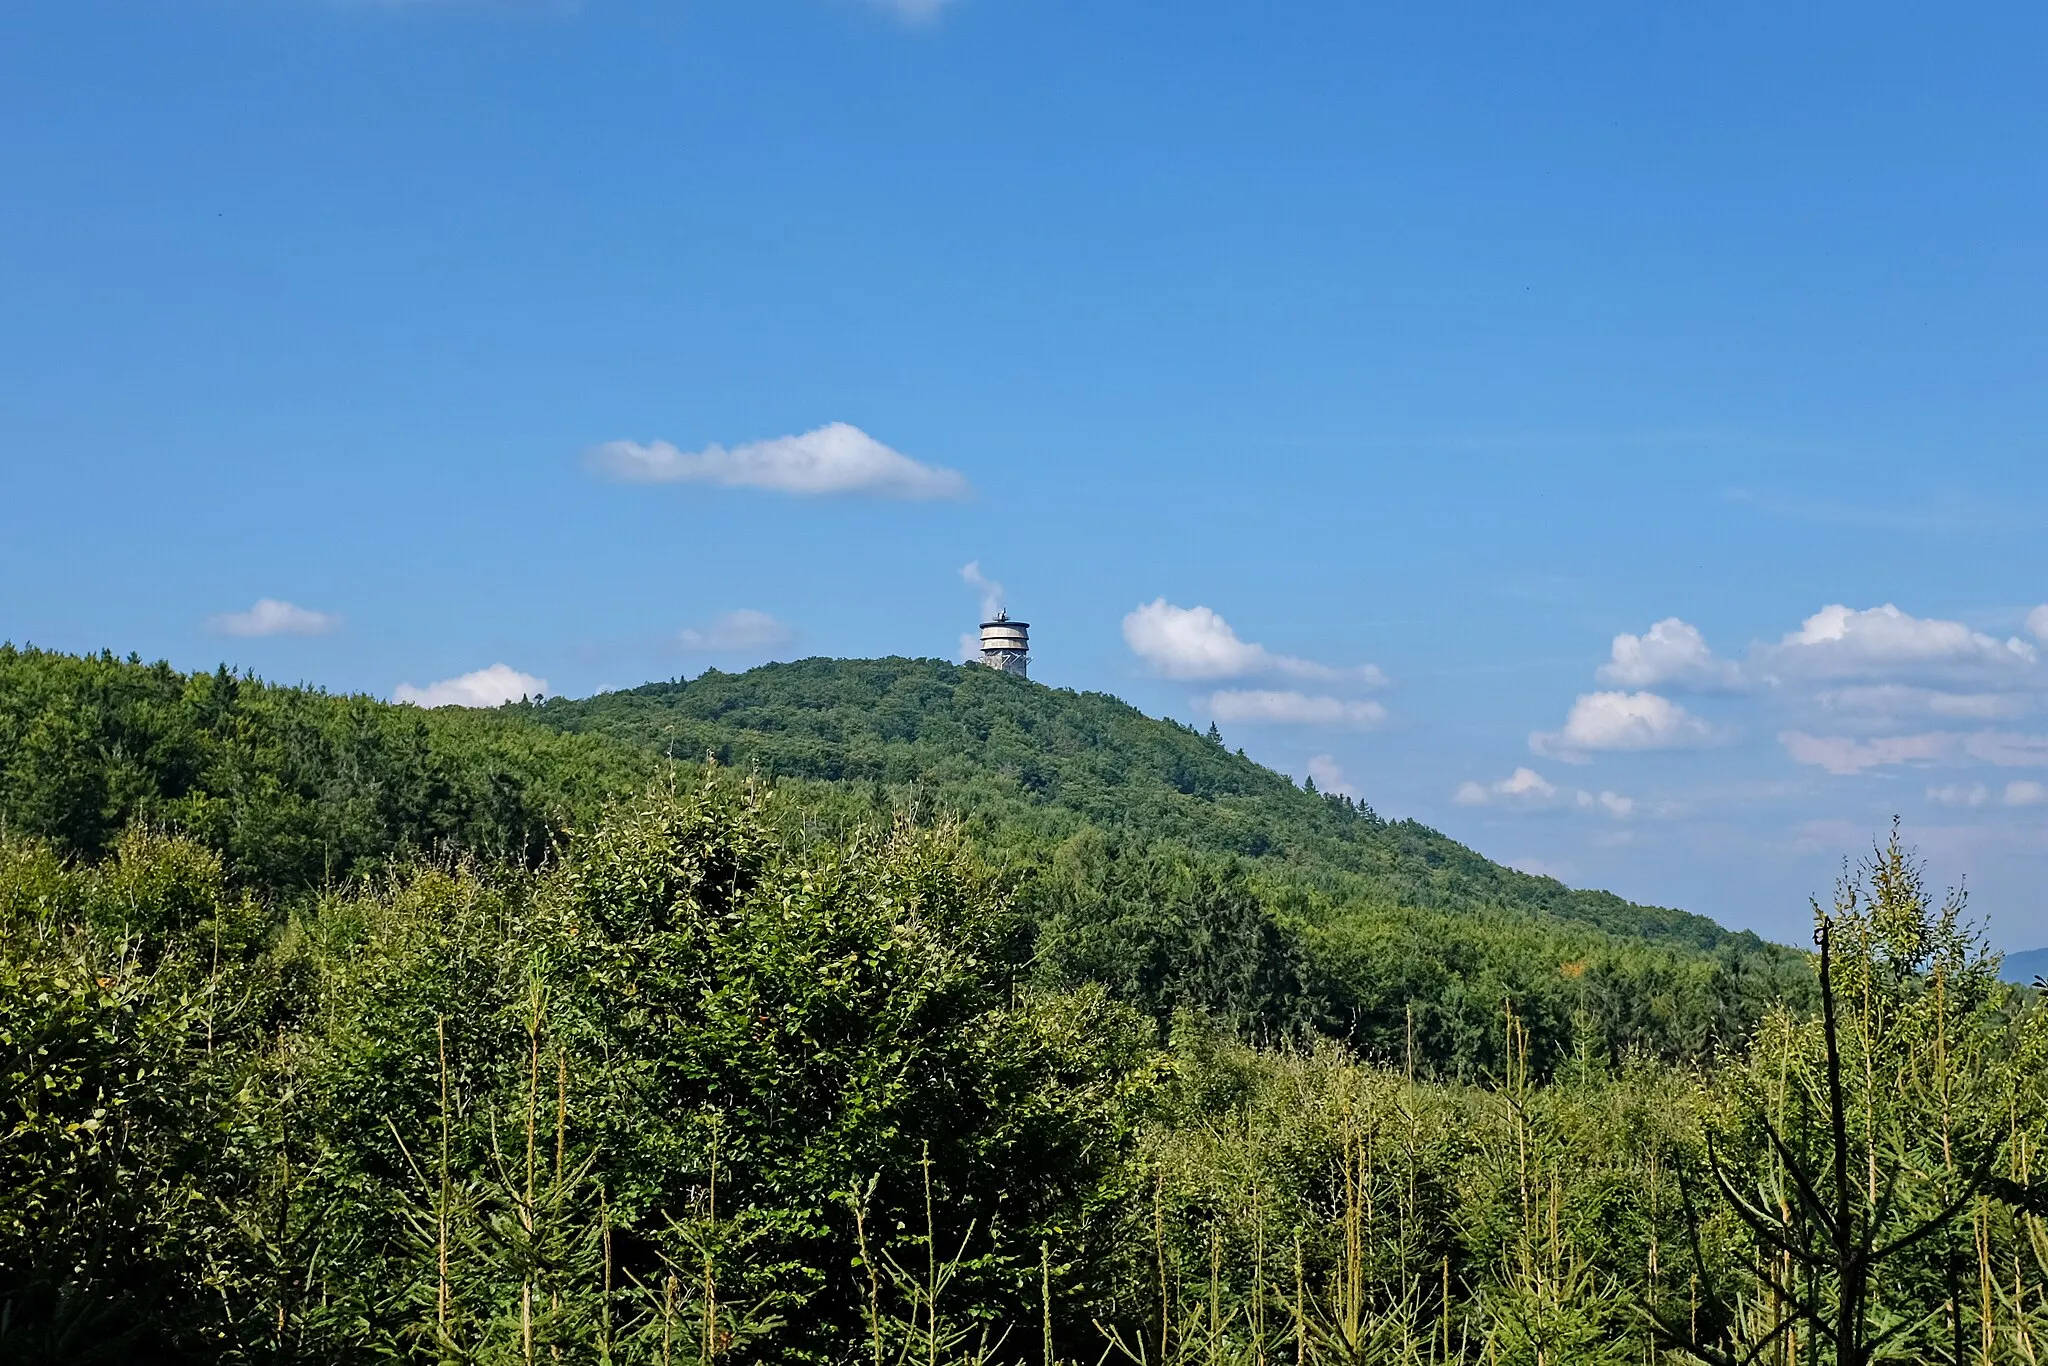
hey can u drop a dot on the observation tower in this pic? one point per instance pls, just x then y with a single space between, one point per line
1006 644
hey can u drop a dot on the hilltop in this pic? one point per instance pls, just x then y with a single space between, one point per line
1140 854
2026 967
259 1107
1184 875
1030 764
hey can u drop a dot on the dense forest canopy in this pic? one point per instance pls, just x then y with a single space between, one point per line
890 1011
1030 765
295 788
91 743
1149 858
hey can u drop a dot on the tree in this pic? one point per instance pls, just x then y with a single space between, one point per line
818 1024
1855 1140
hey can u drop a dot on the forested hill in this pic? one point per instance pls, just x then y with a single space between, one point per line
1029 765
288 980
293 787
1143 856
297 787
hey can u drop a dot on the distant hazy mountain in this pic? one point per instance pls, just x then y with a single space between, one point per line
2025 967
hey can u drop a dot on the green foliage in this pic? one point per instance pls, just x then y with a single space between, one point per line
291 787
822 1024
1178 873
710 1089
977 1022
1317 1208
1031 766
107 1099
1863 1148
1171 933
429 1119
1143 856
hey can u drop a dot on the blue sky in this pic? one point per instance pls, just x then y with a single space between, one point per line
1371 379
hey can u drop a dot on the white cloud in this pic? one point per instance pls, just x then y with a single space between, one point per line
1601 721
2037 623
991 591
1196 642
1889 701
1839 642
745 629
2008 749
1843 754
1979 706
1262 707
1671 651
1614 804
2000 680
490 687
1528 790
1191 642
271 617
1329 775
834 459
1973 795
1525 786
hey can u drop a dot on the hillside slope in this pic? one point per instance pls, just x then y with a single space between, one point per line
294 787
1028 763
1139 855
2025 968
